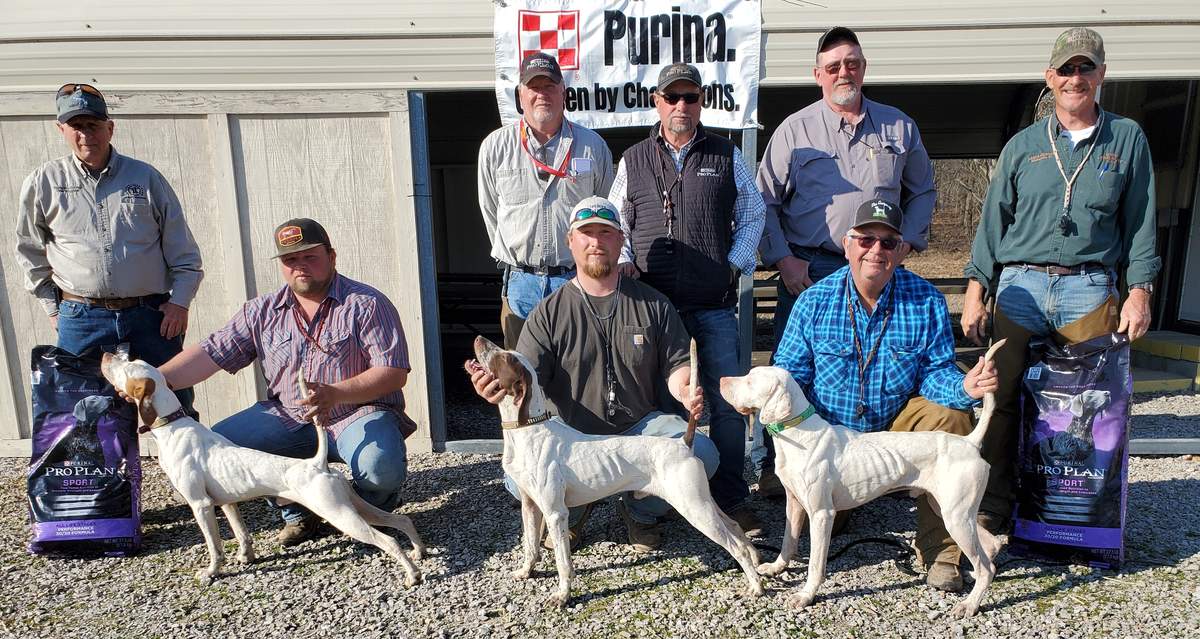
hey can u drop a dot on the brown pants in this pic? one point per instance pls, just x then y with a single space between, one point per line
1000 442
922 415
510 324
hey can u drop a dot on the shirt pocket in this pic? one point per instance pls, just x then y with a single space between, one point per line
513 187
341 351
1106 196
280 349
137 224
900 374
889 165
814 173
835 364
633 346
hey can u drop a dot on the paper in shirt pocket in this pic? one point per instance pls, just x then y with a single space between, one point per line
581 165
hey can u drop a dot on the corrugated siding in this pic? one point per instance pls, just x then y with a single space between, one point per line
448 45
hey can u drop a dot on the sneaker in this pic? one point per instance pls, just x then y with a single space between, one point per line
748 521
643 538
769 485
574 533
994 523
944 576
298 532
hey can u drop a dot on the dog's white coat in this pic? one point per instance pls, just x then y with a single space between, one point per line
826 468
208 470
556 466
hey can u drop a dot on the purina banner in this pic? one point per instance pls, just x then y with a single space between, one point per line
611 53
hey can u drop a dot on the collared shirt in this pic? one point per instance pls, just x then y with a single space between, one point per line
1112 214
527 218
747 208
120 233
357 327
915 354
818 168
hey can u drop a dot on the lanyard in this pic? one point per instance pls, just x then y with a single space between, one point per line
312 339
1061 171
605 323
864 364
561 171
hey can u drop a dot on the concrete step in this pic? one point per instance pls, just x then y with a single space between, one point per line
1170 345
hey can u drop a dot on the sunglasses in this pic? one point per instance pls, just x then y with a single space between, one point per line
867 241
1068 70
674 98
71 87
852 65
603 213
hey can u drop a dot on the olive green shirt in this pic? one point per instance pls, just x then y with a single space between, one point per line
1112 210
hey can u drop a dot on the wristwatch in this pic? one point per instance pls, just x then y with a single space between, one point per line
1145 286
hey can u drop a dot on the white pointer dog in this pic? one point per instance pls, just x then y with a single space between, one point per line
556 466
826 468
209 470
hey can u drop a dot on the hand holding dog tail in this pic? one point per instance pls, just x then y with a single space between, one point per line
989 403
692 381
321 459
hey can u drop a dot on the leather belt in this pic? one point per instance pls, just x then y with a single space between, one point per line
1055 269
110 303
552 271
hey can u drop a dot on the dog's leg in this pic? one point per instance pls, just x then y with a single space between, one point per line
345 518
556 524
791 537
379 517
206 517
960 523
245 542
991 543
820 528
531 537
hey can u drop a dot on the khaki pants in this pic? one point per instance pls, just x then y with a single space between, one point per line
921 415
510 324
1000 442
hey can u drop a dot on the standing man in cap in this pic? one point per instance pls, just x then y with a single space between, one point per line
822 163
103 242
872 348
693 218
347 339
530 176
602 347
1070 206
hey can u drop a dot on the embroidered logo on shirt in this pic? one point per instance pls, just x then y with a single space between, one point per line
707 171
68 189
1111 161
289 236
639 340
133 193
1038 157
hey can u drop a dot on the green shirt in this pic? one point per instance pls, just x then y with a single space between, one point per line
1112 214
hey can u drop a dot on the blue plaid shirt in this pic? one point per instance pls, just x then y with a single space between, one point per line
916 354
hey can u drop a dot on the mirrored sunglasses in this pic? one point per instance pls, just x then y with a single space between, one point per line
603 212
1068 70
867 241
71 87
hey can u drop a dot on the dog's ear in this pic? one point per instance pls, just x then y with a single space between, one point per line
777 405
141 389
520 391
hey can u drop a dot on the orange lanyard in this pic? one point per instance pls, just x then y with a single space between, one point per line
561 171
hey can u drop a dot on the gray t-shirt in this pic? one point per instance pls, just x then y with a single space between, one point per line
566 341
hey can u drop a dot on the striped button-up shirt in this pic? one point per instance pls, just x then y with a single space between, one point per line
357 328
748 209
915 354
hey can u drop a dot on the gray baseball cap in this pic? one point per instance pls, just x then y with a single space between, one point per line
80 99
1077 41
595 210
834 36
679 71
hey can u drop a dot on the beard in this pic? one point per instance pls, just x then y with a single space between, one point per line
675 126
598 269
542 115
310 286
844 94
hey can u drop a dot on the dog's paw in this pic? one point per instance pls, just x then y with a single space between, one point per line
963 610
521 574
205 577
413 579
800 600
755 589
558 600
244 557
416 554
773 569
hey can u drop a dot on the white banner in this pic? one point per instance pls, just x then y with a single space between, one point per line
611 53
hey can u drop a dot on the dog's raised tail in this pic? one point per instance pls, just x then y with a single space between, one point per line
989 403
321 459
693 380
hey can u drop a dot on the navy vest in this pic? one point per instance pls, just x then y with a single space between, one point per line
684 256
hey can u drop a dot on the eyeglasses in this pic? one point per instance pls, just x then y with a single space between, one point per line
674 98
602 212
71 87
1068 70
867 241
852 65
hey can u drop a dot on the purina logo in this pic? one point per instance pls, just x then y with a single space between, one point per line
133 193
552 32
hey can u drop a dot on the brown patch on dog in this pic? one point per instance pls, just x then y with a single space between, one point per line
142 389
514 378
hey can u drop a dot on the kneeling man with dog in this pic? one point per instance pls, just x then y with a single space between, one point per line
872 348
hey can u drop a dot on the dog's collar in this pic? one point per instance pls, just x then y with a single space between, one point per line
163 421
529 422
775 429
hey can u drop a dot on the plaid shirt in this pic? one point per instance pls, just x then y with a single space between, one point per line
357 327
915 355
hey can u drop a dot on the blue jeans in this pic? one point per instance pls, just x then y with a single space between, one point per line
524 290
371 445
648 509
821 264
1042 303
717 347
81 326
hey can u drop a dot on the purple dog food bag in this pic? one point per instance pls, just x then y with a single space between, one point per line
85 477
1073 456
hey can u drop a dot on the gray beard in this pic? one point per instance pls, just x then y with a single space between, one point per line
675 127
844 95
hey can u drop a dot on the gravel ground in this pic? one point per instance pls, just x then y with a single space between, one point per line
334 586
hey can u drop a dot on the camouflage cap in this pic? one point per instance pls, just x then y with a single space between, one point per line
1077 41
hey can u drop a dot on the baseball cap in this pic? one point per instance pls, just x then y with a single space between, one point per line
299 234
595 210
80 99
835 35
679 71
878 211
1077 41
540 64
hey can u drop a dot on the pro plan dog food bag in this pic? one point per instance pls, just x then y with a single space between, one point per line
1074 459
85 476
